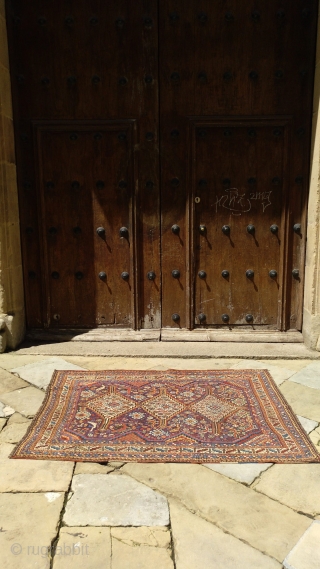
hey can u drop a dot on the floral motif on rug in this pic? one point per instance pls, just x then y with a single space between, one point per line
166 416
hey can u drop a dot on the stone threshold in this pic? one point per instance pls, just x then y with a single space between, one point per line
165 335
185 350
248 336
94 335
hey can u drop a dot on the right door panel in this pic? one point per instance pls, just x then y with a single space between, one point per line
236 86
239 195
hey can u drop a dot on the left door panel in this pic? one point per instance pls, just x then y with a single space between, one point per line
86 209
85 90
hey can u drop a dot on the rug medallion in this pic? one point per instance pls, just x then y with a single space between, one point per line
166 416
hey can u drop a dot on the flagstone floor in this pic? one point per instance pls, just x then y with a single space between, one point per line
59 515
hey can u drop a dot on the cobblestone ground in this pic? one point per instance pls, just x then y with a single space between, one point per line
62 515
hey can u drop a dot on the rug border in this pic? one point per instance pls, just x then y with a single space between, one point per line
287 406
37 416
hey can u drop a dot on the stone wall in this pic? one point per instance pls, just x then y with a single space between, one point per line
12 318
311 312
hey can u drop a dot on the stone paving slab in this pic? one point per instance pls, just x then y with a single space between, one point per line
115 463
295 365
185 350
199 544
304 401
6 449
195 364
14 432
2 423
306 553
307 424
26 401
157 536
315 437
29 525
114 500
5 410
141 548
309 376
17 475
17 418
279 374
92 468
83 548
295 485
103 363
164 363
40 373
9 360
245 473
9 382
244 513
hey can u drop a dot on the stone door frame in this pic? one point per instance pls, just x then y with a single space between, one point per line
12 310
311 305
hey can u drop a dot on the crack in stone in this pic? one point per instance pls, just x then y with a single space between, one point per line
173 551
307 515
77 534
256 480
55 539
111 548
203 517
132 543
246 484
225 531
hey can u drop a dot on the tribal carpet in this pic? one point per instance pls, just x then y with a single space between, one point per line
166 416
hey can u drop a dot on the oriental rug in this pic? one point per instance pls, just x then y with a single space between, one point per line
166 416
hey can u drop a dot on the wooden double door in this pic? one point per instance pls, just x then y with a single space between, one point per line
163 152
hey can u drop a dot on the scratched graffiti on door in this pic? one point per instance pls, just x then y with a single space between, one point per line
239 202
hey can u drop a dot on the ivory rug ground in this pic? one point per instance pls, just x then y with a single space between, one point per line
166 416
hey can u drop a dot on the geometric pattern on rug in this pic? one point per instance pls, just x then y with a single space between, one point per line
166 416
